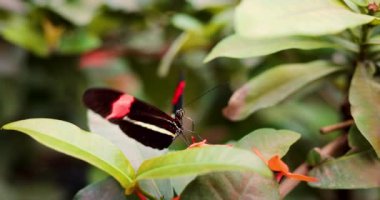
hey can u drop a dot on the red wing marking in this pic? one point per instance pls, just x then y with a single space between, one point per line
121 107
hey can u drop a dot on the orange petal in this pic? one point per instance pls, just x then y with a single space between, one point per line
176 198
301 177
276 164
198 144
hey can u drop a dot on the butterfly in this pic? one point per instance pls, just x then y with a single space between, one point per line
137 119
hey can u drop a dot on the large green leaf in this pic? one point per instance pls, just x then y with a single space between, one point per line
273 86
21 31
231 186
360 170
269 141
278 18
236 46
71 140
202 160
364 97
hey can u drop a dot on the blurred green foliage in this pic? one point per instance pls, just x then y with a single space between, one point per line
51 51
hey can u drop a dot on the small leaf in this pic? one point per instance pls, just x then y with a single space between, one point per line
204 4
79 12
269 141
202 160
278 18
231 186
236 46
71 140
187 23
273 86
364 97
361 170
163 68
107 189
78 41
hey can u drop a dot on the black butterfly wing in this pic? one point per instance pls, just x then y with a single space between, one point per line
145 123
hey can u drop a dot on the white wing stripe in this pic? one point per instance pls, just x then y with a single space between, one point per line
149 126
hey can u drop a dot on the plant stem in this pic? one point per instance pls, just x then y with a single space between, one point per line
338 126
330 149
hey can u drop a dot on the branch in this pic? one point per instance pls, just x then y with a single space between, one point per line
338 126
330 149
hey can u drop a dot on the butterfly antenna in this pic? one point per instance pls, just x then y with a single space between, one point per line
205 92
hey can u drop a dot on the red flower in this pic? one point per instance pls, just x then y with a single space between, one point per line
277 165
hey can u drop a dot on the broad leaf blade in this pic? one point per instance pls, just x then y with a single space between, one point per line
231 186
273 86
107 189
71 140
364 97
278 18
361 170
236 46
202 160
269 141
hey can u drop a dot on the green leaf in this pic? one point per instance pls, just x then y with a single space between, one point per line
158 188
163 68
357 141
273 86
79 12
202 160
364 97
187 23
236 46
78 41
362 3
314 157
204 4
107 189
21 31
278 18
180 183
231 186
71 140
269 141
361 170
